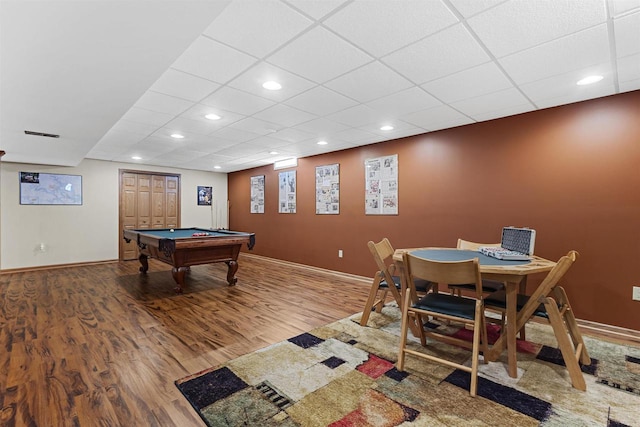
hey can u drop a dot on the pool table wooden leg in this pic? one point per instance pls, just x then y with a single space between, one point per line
178 276
231 272
144 263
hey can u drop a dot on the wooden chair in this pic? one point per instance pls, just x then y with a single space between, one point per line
469 311
550 302
382 253
488 286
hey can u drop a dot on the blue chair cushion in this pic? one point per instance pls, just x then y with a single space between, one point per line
499 300
421 285
448 304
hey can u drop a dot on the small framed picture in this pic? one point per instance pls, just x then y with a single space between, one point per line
205 195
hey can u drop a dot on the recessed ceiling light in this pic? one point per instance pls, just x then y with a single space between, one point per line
272 85
177 136
273 153
136 158
322 143
213 116
217 167
589 80
386 127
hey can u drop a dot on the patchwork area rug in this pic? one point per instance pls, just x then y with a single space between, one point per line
343 374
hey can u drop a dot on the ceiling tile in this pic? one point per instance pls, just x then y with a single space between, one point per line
241 150
404 102
573 52
517 25
436 118
418 19
119 137
268 142
369 82
358 116
291 135
284 115
399 130
156 144
468 8
142 115
272 23
183 85
354 135
629 68
319 55
199 111
320 101
564 86
476 81
237 101
210 145
503 100
320 127
161 103
627 31
317 8
137 128
254 125
446 52
571 96
236 135
622 6
201 126
251 81
214 61
630 85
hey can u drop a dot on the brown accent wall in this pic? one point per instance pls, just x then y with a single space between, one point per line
571 172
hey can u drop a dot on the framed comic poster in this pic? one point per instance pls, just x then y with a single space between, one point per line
205 195
381 185
287 192
328 189
257 194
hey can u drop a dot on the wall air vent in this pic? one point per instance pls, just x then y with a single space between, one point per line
48 135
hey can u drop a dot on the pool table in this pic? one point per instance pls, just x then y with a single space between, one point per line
184 247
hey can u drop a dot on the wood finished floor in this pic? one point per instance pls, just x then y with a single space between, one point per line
102 345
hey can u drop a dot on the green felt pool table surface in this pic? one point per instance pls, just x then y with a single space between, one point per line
183 233
181 249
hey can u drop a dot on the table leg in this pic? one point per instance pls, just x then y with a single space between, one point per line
404 288
508 336
144 263
231 272
178 275
511 319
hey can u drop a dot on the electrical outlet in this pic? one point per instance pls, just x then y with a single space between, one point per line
339 253
636 293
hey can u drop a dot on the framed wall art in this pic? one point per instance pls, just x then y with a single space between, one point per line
328 189
381 185
257 194
38 188
287 192
205 195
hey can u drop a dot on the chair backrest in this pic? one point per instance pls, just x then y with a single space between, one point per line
446 272
546 287
383 256
473 246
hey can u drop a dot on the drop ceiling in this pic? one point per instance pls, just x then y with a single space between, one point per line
115 79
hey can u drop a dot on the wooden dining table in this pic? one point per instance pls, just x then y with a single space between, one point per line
512 273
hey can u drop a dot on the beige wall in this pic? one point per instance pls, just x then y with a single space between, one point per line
76 234
571 172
